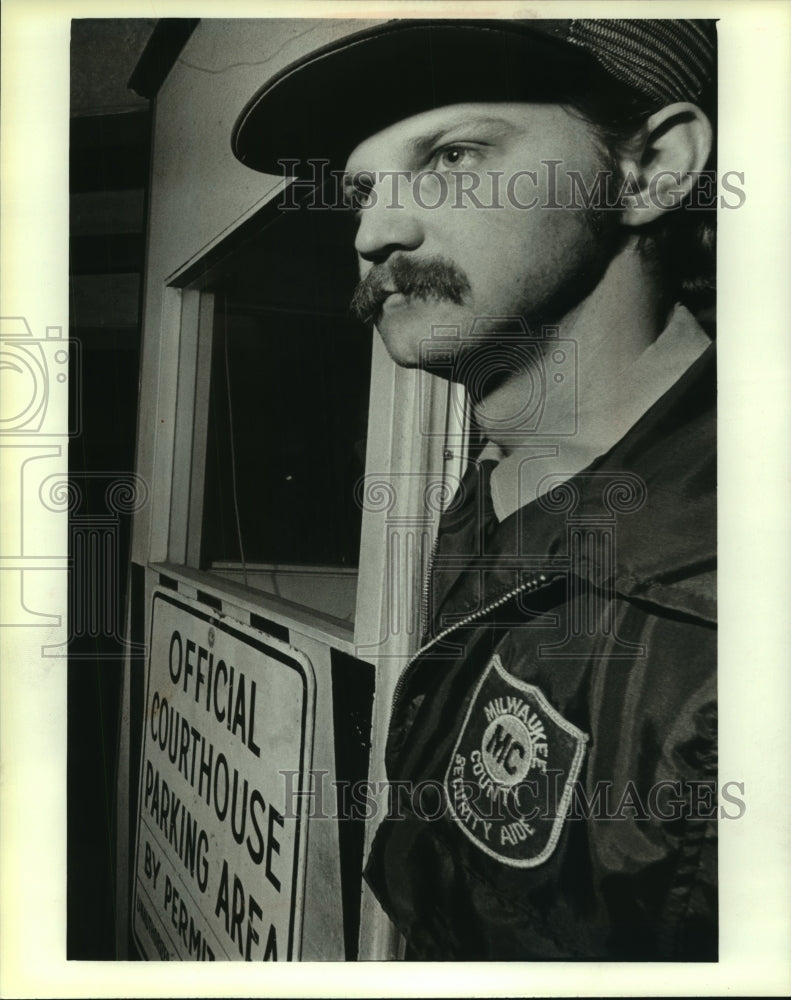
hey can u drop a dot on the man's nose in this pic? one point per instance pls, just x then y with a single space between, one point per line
389 224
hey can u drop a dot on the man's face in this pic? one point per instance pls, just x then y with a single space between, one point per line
456 243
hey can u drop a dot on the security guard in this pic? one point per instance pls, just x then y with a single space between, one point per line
529 201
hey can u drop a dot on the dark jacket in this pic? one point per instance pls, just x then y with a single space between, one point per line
552 747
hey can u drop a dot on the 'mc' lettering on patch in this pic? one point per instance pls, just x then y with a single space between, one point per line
512 771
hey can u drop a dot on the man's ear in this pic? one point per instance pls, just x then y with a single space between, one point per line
662 160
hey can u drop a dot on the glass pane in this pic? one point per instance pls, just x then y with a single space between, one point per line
288 410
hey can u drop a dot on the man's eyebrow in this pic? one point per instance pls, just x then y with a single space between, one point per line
422 144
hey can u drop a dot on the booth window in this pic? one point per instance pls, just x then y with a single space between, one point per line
287 414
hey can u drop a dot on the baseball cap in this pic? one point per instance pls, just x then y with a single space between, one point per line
327 102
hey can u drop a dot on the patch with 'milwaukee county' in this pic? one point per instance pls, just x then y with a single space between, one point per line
512 771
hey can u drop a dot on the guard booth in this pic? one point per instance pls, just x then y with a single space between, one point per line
291 479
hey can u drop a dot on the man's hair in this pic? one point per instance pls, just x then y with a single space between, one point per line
682 241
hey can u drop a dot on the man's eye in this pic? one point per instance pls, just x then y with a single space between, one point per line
357 199
454 158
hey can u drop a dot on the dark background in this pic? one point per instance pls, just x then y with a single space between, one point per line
110 131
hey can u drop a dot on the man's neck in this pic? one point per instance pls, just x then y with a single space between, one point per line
610 328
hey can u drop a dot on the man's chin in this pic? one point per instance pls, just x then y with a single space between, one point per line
415 358
403 349
412 335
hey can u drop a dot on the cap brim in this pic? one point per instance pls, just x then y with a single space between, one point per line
324 105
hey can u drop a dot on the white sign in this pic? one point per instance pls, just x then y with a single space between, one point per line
221 836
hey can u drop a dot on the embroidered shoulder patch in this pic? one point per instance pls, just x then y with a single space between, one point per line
512 771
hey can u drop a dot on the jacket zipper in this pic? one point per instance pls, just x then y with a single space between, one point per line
537 583
424 598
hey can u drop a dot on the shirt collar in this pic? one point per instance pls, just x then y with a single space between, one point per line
519 476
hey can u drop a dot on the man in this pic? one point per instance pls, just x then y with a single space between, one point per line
524 195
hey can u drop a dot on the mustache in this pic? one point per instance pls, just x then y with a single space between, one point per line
427 278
